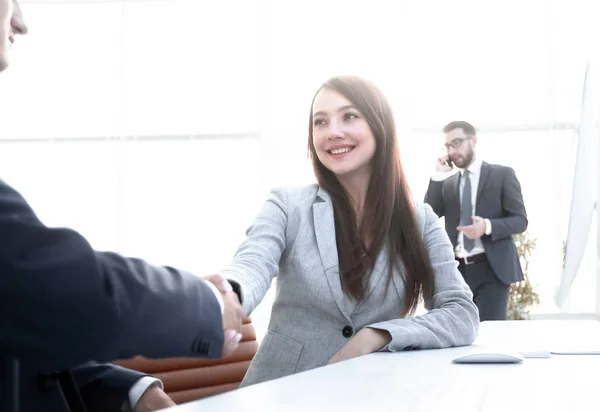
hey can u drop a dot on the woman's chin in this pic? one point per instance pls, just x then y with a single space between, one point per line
340 171
344 172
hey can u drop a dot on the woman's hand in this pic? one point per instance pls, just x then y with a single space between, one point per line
366 341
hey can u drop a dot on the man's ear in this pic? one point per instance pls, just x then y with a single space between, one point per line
474 139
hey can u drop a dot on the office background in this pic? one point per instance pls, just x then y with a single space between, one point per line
157 127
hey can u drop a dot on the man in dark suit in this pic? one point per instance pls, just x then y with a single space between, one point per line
483 208
62 305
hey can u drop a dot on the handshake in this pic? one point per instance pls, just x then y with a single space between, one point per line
233 315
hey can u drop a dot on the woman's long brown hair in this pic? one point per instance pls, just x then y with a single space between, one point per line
388 214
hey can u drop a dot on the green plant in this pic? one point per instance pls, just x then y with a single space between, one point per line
522 296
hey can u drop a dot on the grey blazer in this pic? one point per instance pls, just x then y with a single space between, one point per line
293 238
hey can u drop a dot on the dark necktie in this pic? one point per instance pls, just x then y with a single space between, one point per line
466 211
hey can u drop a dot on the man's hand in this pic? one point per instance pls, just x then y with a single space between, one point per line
153 399
232 323
474 231
220 283
233 315
367 340
441 164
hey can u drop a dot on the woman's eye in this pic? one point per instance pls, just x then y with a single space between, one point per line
319 122
350 116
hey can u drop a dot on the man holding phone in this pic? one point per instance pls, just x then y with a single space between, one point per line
483 208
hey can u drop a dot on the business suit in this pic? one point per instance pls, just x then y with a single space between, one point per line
100 387
293 238
499 199
63 304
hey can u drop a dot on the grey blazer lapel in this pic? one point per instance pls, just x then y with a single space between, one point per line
325 233
485 172
378 274
377 278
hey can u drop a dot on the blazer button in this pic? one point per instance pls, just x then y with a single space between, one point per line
347 331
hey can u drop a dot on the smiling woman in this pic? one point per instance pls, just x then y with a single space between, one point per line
353 254
342 138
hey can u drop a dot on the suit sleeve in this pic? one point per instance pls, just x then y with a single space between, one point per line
434 196
256 261
105 387
63 304
514 220
452 318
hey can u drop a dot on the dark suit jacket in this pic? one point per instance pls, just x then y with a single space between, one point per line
63 304
499 199
101 387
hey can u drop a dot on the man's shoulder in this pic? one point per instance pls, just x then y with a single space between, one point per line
498 168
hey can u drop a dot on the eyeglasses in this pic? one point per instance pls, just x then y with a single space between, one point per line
455 144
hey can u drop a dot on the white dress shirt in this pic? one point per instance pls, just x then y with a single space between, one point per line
217 294
138 389
141 386
474 174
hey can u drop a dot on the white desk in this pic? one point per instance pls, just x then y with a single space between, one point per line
429 381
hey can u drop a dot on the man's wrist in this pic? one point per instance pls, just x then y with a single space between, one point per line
217 294
140 387
488 227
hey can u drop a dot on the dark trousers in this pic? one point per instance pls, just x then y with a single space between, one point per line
489 293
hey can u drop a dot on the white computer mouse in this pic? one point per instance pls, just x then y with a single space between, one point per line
489 356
